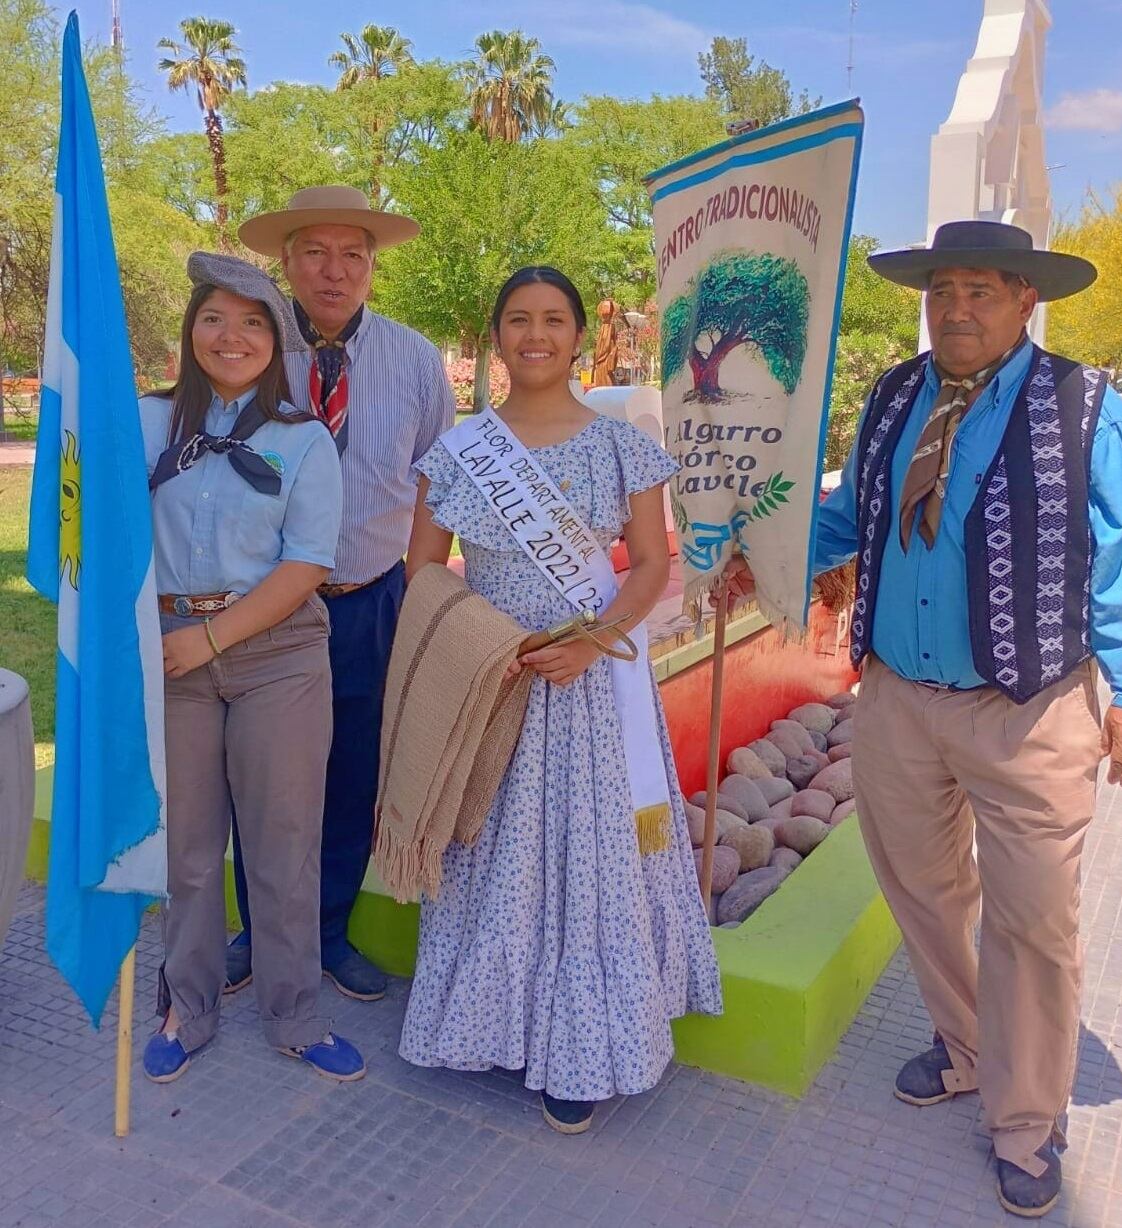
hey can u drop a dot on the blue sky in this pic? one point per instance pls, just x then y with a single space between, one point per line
908 56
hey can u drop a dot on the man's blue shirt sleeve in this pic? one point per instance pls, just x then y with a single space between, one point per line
836 540
1106 532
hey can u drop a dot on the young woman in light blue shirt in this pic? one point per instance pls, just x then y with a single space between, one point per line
246 503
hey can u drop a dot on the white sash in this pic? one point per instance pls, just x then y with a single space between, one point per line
554 537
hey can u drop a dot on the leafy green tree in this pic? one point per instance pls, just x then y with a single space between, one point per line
747 90
620 142
511 85
879 327
210 60
1088 326
737 299
375 53
485 210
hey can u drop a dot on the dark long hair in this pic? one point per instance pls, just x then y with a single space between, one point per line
539 273
192 394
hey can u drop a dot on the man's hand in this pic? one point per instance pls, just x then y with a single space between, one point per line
185 650
737 576
1112 743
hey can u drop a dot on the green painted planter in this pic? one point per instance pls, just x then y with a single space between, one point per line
794 974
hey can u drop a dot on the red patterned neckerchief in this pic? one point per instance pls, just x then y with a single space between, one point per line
327 379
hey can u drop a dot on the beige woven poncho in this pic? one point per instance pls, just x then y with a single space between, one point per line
450 725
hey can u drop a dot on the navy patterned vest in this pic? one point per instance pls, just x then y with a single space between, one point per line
1027 535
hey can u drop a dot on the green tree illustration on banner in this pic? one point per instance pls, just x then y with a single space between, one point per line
739 298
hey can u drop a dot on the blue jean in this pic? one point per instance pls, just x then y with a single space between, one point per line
362 631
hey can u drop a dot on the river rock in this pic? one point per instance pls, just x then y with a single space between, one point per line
746 794
842 811
781 809
714 899
771 755
819 740
785 860
745 762
841 700
842 751
754 844
802 770
695 822
836 779
726 819
726 866
813 802
802 833
748 893
818 718
797 731
841 732
729 925
790 747
775 789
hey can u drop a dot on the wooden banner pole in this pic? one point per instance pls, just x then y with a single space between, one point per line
713 773
124 1042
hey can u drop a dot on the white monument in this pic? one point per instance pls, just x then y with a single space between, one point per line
987 159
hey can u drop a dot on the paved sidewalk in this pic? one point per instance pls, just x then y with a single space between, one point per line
249 1139
16 453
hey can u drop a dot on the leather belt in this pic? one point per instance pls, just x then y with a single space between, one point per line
341 590
947 686
198 606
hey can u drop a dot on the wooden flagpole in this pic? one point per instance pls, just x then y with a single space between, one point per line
716 700
124 1042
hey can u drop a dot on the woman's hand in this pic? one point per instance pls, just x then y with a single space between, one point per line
185 650
562 663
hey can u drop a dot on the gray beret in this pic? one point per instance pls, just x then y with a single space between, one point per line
248 281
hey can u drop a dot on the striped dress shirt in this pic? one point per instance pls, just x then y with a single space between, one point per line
399 402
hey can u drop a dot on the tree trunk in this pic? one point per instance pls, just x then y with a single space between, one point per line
481 397
706 370
218 155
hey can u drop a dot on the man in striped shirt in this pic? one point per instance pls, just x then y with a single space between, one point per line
382 391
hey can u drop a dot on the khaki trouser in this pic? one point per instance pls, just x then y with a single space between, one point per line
252 727
933 772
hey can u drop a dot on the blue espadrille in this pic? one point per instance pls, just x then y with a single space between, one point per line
333 1057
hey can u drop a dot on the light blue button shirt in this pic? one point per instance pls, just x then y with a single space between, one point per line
921 627
213 532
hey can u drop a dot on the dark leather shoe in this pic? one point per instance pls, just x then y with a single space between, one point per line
239 965
567 1116
920 1080
1022 1194
356 977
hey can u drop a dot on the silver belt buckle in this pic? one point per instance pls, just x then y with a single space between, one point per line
230 599
182 606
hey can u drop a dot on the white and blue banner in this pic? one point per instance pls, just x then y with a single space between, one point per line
750 244
90 552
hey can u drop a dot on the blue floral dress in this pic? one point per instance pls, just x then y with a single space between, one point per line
553 944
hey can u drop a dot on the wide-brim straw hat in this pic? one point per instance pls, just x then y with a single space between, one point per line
247 281
334 205
987 245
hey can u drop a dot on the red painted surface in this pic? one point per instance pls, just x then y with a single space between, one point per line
764 680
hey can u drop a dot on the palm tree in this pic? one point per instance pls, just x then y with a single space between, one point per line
210 60
556 119
377 52
511 85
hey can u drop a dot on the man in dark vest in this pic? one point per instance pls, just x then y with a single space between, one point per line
983 500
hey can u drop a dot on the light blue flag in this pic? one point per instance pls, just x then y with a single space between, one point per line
91 552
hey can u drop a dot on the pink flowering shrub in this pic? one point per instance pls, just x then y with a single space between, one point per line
461 375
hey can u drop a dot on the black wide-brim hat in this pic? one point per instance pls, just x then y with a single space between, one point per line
987 245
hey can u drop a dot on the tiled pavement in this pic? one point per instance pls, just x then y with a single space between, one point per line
249 1139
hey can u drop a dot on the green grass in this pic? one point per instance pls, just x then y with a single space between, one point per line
27 622
20 427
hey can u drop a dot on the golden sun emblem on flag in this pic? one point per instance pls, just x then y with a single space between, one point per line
70 513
